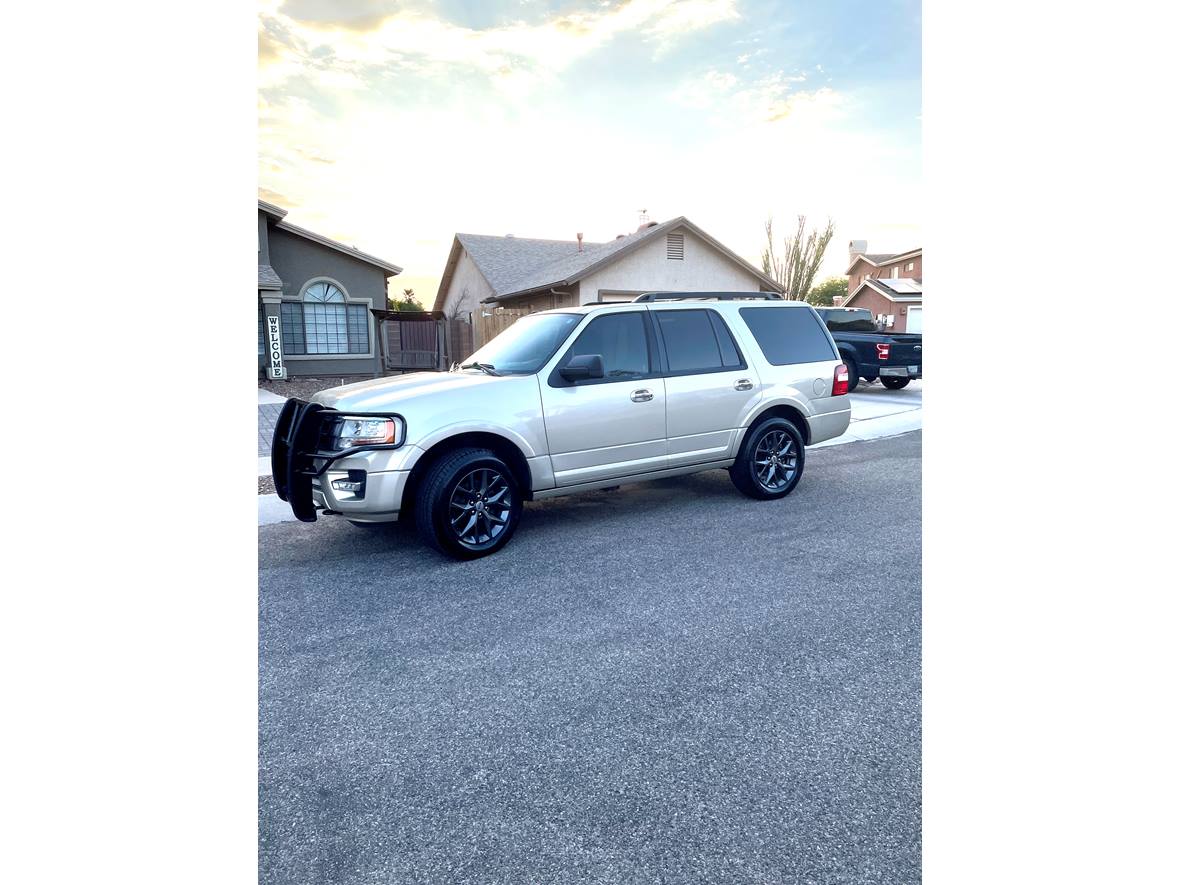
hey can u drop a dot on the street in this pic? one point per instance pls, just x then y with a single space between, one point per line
667 682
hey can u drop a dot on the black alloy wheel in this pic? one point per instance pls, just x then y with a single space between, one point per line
468 504
770 463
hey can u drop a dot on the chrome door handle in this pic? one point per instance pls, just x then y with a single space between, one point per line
641 395
743 384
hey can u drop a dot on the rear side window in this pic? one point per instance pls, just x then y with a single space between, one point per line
621 340
696 341
788 335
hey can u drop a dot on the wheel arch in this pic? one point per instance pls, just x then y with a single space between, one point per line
504 448
780 410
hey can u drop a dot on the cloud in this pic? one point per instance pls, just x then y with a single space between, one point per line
375 34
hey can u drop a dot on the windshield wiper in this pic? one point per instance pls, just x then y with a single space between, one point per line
483 367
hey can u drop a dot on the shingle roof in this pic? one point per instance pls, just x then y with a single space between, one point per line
267 278
898 289
516 265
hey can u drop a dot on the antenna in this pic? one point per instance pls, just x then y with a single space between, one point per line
644 218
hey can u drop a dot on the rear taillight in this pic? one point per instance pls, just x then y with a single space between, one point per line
840 381
882 351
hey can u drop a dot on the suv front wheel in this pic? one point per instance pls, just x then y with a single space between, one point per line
468 504
770 462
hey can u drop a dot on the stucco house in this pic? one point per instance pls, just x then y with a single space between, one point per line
315 297
518 273
890 285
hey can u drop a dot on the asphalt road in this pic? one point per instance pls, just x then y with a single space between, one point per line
665 683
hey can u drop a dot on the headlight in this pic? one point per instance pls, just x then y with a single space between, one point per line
350 432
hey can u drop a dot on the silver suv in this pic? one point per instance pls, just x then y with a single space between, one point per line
569 400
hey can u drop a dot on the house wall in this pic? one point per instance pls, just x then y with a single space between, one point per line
297 261
467 289
648 269
263 239
862 268
879 304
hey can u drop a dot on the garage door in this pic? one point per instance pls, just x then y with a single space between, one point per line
913 321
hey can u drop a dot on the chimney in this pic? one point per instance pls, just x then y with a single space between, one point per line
857 247
579 242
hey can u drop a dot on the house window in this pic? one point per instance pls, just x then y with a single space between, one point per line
324 322
675 247
893 271
910 266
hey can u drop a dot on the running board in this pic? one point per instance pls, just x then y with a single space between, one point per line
627 480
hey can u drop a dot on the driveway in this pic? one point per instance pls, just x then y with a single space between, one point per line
668 682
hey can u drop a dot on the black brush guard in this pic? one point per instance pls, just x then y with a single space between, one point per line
300 451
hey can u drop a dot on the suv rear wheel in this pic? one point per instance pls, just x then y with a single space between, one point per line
468 504
770 462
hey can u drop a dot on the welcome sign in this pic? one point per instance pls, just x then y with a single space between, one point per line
274 367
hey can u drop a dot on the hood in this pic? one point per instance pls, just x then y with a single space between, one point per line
383 394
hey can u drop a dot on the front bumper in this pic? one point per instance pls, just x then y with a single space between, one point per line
308 474
900 371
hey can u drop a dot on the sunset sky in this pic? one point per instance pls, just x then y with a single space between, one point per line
393 125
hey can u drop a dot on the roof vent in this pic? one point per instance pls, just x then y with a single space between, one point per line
510 236
675 247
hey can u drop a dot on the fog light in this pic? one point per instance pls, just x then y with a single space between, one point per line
355 483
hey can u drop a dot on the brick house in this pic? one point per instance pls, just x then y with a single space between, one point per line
890 285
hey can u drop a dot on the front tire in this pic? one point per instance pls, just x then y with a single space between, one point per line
895 383
770 463
468 504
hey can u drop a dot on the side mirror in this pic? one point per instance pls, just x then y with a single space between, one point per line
583 367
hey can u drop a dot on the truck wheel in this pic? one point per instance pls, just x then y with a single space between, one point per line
468 504
853 373
770 462
895 383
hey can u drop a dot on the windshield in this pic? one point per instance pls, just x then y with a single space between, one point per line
851 320
523 347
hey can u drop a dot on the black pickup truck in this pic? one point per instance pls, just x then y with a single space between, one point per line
869 354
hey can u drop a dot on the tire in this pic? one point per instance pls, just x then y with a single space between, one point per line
895 383
853 370
468 504
779 439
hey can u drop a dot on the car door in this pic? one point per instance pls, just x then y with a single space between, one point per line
709 384
613 426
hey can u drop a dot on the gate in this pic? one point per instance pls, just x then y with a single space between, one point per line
412 340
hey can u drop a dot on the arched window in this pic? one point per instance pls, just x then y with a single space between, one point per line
324 322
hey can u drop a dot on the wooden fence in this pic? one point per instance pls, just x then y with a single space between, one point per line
496 321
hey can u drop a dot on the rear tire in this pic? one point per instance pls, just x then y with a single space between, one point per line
770 463
468 504
895 383
853 376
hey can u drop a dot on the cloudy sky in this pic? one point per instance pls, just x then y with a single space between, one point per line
393 125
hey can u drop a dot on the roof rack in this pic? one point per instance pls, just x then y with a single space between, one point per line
711 296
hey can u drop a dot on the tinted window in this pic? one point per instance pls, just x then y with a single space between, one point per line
621 340
689 340
788 335
851 320
729 352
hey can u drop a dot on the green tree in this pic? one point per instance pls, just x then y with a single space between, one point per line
802 254
408 301
822 295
